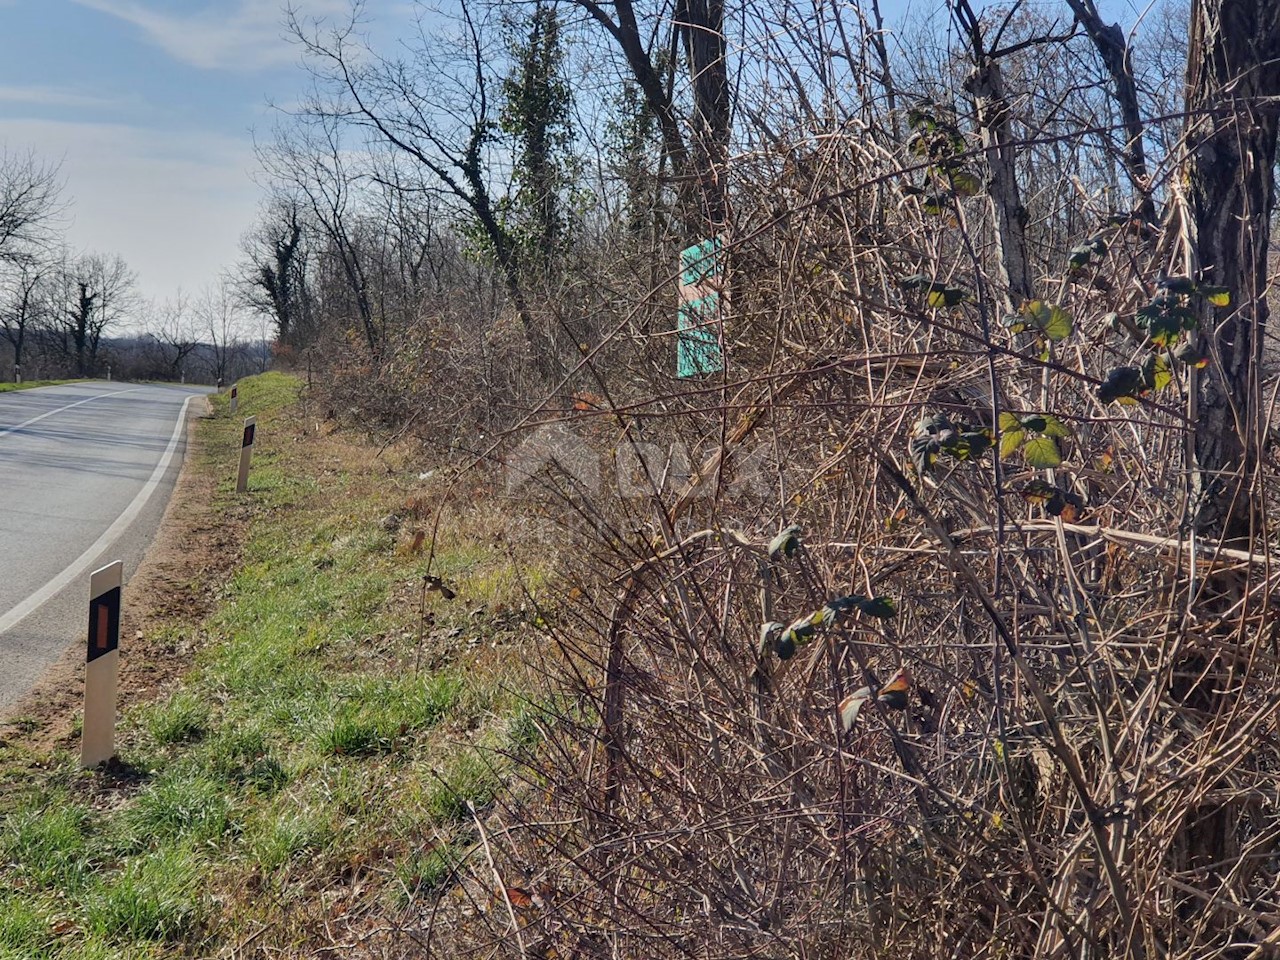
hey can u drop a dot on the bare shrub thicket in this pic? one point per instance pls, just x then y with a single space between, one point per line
995 491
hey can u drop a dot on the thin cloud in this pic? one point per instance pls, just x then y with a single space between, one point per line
37 96
249 37
174 206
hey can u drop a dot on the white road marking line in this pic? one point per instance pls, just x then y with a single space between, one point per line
96 396
109 536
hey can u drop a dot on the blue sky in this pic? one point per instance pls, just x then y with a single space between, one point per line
150 108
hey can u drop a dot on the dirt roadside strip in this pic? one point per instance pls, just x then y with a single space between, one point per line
193 550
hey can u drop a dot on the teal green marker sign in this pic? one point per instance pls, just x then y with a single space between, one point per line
701 313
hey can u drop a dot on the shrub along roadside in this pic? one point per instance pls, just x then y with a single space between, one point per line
304 762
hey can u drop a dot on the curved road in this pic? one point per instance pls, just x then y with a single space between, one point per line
85 472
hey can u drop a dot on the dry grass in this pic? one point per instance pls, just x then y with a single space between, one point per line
1087 757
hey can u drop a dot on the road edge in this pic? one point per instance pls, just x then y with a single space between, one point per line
47 714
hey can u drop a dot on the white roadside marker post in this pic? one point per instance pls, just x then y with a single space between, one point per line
246 452
102 664
234 388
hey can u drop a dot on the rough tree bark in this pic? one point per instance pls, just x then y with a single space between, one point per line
986 86
701 23
1233 85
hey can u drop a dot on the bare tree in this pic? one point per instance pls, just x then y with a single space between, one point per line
1116 55
174 336
96 291
310 159
698 159
29 205
437 108
274 277
219 317
25 309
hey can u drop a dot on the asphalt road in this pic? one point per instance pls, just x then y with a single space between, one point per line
85 472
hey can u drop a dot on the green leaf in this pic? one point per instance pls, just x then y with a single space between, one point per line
882 607
919 144
1190 353
801 630
1014 322
1120 383
769 634
1010 441
1218 296
964 183
1009 421
935 434
1080 256
1179 286
1156 373
1042 452
1034 424
1038 492
919 119
1053 427
839 606
1162 322
943 296
1011 434
785 543
936 294
934 425
972 445
924 452
1051 319
936 203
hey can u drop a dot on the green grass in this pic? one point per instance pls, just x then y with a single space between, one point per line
424 871
46 841
32 384
469 780
181 805
285 835
25 928
183 717
303 745
155 897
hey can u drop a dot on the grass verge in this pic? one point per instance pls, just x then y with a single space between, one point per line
32 384
326 749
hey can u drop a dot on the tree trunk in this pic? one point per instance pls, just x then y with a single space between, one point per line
1114 50
986 86
83 314
1233 68
702 26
